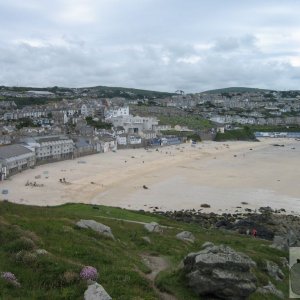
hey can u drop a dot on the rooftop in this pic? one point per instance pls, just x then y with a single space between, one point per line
13 150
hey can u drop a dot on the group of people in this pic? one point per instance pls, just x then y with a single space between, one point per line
253 232
28 183
63 180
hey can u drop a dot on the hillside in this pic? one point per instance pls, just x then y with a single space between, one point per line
123 272
97 91
130 93
236 90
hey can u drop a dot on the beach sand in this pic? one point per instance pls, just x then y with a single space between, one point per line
179 177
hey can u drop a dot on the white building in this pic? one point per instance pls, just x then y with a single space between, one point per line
117 112
87 110
135 124
134 140
148 134
163 127
122 139
108 144
51 147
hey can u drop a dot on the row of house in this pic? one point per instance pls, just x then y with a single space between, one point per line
295 135
230 119
44 149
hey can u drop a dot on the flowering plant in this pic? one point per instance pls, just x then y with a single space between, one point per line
89 273
11 278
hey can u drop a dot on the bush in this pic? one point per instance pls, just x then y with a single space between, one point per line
70 277
89 273
236 135
23 243
26 257
10 278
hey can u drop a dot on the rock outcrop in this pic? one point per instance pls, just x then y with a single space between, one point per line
41 252
146 239
272 225
280 243
270 289
207 244
98 227
288 238
96 291
153 227
186 236
274 271
221 272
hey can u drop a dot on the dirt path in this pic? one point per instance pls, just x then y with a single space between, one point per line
157 264
135 222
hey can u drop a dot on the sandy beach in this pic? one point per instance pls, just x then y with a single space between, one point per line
179 177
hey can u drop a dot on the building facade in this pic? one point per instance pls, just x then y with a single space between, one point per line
50 148
14 159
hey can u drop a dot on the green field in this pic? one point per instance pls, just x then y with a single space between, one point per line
23 229
192 122
245 134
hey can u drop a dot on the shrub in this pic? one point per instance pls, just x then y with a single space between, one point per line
70 277
10 278
89 273
26 257
23 243
244 134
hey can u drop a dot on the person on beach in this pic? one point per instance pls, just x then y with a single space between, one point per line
254 232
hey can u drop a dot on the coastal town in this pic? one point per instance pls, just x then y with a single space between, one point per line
149 150
40 126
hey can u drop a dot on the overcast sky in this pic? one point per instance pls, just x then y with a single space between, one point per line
165 45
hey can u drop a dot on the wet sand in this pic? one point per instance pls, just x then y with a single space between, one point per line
179 177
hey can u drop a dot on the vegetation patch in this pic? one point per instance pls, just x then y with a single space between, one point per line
191 121
245 134
55 272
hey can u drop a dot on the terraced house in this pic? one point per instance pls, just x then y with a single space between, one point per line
51 148
15 158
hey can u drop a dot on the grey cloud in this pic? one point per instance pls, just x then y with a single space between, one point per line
139 67
150 44
229 44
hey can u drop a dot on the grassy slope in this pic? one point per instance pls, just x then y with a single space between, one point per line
235 135
192 122
118 261
103 90
236 90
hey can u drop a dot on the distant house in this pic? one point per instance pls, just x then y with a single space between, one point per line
134 124
108 144
60 117
119 130
27 131
122 139
87 110
85 129
117 112
148 134
85 146
134 140
181 128
221 129
15 158
5 139
170 140
163 127
155 142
